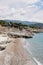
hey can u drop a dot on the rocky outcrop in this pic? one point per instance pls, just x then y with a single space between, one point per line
16 35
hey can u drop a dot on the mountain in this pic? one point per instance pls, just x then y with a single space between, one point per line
23 22
34 24
38 25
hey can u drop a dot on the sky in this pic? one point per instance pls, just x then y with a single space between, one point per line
26 10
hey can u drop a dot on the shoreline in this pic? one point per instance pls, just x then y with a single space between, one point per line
24 44
31 58
16 53
37 61
31 54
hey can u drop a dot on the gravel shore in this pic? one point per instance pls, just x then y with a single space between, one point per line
16 54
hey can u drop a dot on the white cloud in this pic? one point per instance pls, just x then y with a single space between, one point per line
20 10
38 16
17 1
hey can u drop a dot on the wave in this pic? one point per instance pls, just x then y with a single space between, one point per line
37 61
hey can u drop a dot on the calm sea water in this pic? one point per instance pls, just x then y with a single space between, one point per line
35 45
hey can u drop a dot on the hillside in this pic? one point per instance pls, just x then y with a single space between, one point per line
23 22
18 23
37 25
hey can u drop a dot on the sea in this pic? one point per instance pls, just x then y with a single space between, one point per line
35 47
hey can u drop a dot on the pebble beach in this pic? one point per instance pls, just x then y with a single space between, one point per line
15 52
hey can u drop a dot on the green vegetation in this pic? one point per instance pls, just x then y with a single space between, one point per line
2 22
13 24
17 25
33 27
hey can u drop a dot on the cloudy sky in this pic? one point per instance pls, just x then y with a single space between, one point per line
28 10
